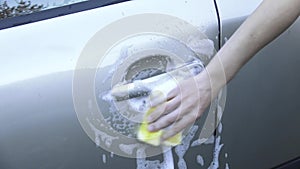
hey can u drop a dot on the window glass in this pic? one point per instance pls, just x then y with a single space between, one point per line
12 8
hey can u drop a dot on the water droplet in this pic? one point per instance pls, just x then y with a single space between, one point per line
200 160
225 39
104 158
227 166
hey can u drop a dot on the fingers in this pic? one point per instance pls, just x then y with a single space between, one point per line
174 117
164 121
163 109
179 126
173 93
157 97
175 121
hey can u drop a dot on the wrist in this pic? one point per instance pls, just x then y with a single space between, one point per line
211 80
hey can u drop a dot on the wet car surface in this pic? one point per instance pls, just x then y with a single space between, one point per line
39 126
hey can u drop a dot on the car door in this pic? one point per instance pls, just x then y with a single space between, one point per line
39 127
261 115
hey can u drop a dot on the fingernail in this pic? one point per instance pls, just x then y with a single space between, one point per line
151 128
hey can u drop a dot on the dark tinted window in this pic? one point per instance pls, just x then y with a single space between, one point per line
12 8
19 12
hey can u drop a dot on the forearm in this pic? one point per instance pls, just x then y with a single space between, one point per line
267 22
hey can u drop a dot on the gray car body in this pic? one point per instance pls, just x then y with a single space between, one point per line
39 127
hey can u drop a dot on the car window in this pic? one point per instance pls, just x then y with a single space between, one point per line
13 8
20 12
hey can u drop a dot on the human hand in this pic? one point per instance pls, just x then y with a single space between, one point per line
181 106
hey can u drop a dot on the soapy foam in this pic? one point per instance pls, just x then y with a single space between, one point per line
205 49
116 120
200 160
180 151
123 55
182 148
168 162
220 127
104 158
199 141
202 46
142 163
215 163
101 136
121 124
128 148
217 146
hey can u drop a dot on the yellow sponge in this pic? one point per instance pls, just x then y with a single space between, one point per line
153 138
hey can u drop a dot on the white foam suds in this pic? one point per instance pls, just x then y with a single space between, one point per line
143 163
140 104
107 97
182 148
210 140
227 166
128 148
101 136
215 163
168 162
200 160
220 127
104 158
146 164
181 163
116 120
111 154
199 141
201 46
163 85
124 52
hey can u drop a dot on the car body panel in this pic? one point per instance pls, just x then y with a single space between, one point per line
261 118
38 125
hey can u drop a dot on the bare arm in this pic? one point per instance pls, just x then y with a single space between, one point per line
184 105
267 22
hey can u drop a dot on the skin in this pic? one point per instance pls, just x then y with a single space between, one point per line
183 105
